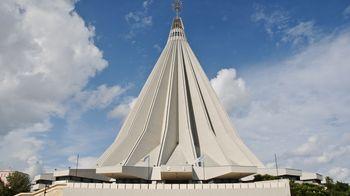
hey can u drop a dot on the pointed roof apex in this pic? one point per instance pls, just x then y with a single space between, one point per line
177 23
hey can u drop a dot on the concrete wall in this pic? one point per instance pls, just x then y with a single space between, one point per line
270 188
266 188
55 190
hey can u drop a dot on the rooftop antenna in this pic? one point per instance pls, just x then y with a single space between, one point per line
276 165
177 6
76 166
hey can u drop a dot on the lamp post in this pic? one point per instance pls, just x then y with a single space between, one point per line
46 186
148 164
201 160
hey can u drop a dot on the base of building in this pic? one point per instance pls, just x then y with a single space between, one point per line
268 188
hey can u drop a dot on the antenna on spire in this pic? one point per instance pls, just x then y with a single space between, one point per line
177 6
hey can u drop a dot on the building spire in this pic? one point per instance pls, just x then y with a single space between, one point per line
177 6
178 125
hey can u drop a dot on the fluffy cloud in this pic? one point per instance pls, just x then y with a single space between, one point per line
303 32
41 68
157 47
101 97
230 89
83 162
146 4
274 22
341 173
346 12
139 19
312 145
122 110
279 25
301 103
47 56
19 148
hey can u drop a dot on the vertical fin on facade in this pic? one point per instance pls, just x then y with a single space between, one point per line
191 115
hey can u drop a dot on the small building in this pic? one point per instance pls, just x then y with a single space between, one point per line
78 175
293 174
41 181
313 178
47 180
286 173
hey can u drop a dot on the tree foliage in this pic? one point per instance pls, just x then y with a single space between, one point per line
17 182
3 188
330 188
338 188
264 177
307 189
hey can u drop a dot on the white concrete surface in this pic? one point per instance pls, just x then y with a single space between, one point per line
82 173
268 188
263 188
281 172
177 122
309 176
45 176
36 187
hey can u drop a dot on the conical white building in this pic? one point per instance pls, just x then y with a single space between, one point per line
178 129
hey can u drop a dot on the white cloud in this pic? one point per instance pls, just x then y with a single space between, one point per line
230 89
87 162
41 68
47 56
157 47
146 4
122 110
334 153
279 25
346 12
299 107
341 173
312 145
35 167
101 97
274 22
19 148
139 19
304 32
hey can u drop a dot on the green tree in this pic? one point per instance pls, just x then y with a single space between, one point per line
329 183
17 182
4 191
264 177
330 188
306 189
337 188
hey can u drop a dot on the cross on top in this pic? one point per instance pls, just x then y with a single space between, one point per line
177 5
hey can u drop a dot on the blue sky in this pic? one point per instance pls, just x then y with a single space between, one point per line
222 33
279 68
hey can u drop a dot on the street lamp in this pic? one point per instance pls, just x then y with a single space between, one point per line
148 164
